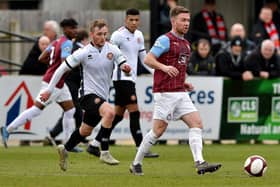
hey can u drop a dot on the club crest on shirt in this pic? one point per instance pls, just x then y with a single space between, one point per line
110 56
183 58
138 40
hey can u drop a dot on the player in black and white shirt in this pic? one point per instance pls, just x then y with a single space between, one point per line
98 60
130 41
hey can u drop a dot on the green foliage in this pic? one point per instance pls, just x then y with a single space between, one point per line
38 167
124 4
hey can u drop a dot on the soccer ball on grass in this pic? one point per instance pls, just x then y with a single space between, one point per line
255 166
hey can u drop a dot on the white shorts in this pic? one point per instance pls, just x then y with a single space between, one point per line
172 105
58 95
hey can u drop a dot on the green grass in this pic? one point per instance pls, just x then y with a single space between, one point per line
38 166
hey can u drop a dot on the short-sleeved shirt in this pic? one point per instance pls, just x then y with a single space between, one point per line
98 65
175 51
131 45
59 50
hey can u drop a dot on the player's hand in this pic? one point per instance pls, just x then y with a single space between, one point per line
126 68
44 96
188 86
171 71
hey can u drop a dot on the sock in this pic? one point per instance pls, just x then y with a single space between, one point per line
74 140
105 138
135 127
96 142
149 139
57 129
68 123
195 141
25 116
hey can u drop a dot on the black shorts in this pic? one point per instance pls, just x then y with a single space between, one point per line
90 104
125 93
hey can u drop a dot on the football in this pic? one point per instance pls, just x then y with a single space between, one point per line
255 166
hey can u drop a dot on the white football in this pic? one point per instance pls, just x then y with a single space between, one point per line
255 165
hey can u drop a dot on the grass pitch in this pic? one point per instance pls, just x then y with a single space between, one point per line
37 166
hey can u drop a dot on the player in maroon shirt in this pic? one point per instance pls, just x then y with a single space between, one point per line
169 57
54 56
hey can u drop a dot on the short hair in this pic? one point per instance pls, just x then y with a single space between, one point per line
210 2
132 11
267 42
178 10
81 35
97 23
54 25
204 42
68 22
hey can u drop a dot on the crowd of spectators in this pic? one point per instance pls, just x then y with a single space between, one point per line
234 54
216 50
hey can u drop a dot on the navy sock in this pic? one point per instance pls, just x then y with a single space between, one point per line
74 140
135 127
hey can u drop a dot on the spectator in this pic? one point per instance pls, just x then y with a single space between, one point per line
264 62
210 25
265 28
43 43
274 6
230 61
201 61
164 23
31 66
238 29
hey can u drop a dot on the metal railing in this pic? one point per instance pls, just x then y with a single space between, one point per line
10 39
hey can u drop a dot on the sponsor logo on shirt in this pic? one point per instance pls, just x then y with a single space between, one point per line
90 57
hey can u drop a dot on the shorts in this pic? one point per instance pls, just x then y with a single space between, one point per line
125 93
58 95
90 104
172 105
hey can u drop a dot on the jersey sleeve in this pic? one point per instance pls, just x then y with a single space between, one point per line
76 58
118 56
161 46
66 49
115 38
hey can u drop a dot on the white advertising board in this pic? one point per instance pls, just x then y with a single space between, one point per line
19 92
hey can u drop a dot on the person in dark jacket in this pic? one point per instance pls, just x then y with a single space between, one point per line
265 28
31 65
264 62
230 61
209 24
201 61
237 29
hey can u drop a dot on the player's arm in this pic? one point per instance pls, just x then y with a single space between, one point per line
70 63
142 55
121 62
46 55
161 46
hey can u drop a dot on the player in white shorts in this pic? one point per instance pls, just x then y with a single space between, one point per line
54 55
172 105
169 57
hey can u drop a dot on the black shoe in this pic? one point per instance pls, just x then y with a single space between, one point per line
93 150
136 169
204 167
151 155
